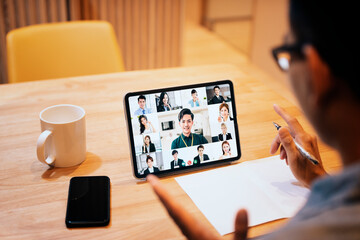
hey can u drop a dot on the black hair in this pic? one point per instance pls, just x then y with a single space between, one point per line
216 87
141 97
184 112
193 91
330 27
162 95
142 127
148 157
200 146
173 152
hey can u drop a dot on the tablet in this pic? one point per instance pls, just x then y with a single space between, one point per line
182 128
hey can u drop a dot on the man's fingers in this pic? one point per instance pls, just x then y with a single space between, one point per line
241 225
287 141
282 153
275 144
290 120
191 228
159 189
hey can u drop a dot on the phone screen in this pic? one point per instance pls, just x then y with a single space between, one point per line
88 202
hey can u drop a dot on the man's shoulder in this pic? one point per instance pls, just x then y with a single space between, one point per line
137 111
175 143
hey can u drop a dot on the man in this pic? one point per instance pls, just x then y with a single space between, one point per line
186 138
177 162
217 98
151 168
194 102
224 135
142 106
320 56
201 157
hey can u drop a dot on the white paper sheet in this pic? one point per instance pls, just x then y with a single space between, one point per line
265 187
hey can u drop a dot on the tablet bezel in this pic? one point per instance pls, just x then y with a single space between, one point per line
178 88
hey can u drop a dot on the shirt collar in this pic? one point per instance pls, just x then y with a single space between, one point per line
186 136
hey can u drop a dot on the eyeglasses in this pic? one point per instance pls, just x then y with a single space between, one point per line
284 55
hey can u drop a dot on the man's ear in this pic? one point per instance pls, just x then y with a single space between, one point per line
323 84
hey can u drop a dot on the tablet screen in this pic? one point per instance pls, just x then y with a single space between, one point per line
182 128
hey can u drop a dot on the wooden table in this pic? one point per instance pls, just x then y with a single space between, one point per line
33 197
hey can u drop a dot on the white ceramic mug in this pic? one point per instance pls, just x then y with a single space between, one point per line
62 142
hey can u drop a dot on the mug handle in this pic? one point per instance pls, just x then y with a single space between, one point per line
41 148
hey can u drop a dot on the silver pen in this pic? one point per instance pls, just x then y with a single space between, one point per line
301 149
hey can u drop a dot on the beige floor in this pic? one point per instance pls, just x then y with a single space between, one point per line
203 47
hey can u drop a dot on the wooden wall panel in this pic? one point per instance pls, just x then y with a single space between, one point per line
21 9
144 34
75 10
42 11
120 22
128 37
3 69
158 37
10 14
63 15
152 34
32 12
149 32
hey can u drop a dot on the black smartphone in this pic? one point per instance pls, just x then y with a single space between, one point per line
88 202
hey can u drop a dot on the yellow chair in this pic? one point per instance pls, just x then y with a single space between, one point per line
59 50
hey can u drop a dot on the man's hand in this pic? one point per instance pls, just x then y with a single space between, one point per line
302 168
191 227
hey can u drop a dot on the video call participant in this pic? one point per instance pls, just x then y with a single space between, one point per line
164 103
224 135
148 145
321 61
142 106
217 97
194 102
187 138
151 168
201 157
226 150
177 162
145 125
224 113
